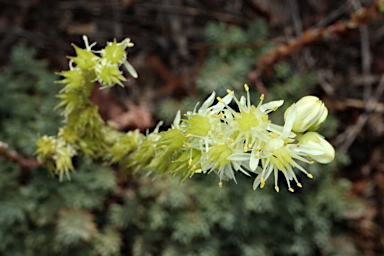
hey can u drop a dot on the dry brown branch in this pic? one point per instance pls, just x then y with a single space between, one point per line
357 20
13 156
346 139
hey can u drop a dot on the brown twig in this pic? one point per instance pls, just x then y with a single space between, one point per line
173 82
346 139
358 19
13 156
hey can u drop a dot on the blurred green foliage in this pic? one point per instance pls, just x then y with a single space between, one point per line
96 213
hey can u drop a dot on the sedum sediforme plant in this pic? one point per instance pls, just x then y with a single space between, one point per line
226 136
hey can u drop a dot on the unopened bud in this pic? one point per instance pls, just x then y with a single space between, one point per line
310 115
318 142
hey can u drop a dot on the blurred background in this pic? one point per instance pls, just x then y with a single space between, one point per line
184 50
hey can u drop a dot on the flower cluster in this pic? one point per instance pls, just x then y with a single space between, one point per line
102 66
218 138
84 130
225 137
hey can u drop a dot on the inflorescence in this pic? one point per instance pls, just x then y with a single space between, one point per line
215 138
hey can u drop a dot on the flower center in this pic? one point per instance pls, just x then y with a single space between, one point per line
198 125
247 120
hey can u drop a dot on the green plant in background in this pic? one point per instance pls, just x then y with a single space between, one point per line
39 217
233 51
94 214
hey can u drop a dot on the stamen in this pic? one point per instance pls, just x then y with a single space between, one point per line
245 148
311 162
277 188
262 97
188 135
189 162
220 134
299 185
262 182
220 184
229 92
298 145
309 176
291 189
246 88
219 99
198 171
256 156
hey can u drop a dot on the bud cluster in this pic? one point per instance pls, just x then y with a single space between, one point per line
217 138
84 130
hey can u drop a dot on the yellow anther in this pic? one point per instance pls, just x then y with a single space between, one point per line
249 145
257 149
229 91
299 185
256 156
273 135
262 182
285 143
233 145
309 176
220 134
220 184
311 162
230 140
188 135
188 144
219 99
220 143
246 88
245 148
198 171
274 108
189 162
291 189
298 145
193 167
277 188
262 96
221 115
309 155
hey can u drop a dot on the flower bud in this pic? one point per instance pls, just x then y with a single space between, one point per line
310 115
115 52
109 74
85 60
316 141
